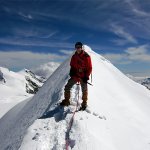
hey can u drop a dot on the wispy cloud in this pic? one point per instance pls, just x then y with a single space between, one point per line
141 13
26 16
99 16
49 35
124 35
33 32
137 18
36 42
137 9
6 9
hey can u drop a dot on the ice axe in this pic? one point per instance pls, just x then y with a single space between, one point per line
89 83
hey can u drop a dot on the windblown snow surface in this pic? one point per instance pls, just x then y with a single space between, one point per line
12 91
117 117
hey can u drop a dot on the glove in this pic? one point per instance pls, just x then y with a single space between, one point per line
85 79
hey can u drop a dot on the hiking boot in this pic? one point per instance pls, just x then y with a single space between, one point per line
66 101
84 98
83 107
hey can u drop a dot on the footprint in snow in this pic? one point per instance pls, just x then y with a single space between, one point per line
95 114
36 137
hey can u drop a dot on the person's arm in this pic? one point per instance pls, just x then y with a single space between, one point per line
88 69
72 67
89 66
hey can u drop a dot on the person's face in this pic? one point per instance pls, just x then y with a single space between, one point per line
78 49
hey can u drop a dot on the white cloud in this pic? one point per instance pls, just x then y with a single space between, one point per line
66 52
27 59
137 50
131 54
117 58
139 53
45 70
119 42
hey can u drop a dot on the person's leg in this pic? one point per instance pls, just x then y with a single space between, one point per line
84 95
67 89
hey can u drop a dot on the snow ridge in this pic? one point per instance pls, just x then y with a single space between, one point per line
32 110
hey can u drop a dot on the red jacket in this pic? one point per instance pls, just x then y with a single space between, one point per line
81 65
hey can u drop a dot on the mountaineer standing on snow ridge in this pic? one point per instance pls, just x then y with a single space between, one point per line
81 68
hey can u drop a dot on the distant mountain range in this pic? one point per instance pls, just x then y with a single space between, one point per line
33 81
26 80
145 81
16 87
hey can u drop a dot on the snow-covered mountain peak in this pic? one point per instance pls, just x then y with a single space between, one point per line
92 52
2 80
145 81
117 117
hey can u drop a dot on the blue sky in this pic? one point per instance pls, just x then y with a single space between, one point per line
33 32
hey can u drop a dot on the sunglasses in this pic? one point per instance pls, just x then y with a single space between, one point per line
77 47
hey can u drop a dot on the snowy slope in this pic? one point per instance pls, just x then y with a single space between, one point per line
117 117
12 90
16 86
13 125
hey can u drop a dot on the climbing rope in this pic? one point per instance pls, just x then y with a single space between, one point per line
72 119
